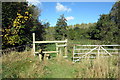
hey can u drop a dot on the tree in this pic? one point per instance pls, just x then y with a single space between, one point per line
61 28
12 19
107 28
47 32
46 25
115 17
19 22
49 36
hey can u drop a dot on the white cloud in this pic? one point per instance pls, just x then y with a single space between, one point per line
60 7
69 18
34 2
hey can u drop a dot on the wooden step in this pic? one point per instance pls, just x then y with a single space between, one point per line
49 52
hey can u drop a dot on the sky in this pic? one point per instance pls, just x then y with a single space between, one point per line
74 12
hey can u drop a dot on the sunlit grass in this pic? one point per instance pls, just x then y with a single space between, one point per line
25 65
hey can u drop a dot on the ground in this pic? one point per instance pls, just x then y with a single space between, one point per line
26 65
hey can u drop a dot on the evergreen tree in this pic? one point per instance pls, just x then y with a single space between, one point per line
61 28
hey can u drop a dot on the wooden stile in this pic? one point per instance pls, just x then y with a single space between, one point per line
56 42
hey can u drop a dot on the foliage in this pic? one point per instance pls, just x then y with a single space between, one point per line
79 31
61 28
50 32
46 25
107 28
76 33
19 22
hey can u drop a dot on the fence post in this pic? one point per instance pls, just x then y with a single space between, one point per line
73 52
98 51
34 44
57 48
66 48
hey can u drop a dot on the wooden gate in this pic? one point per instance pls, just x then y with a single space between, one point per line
93 51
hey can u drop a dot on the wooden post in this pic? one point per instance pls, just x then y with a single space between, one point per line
57 48
60 51
66 48
34 44
73 51
44 58
40 57
98 51
40 54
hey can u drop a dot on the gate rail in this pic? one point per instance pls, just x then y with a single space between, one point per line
94 50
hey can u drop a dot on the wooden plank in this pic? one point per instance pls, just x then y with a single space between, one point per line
96 45
50 41
33 43
76 60
114 52
90 51
105 50
97 49
86 57
91 57
49 52
61 45
95 53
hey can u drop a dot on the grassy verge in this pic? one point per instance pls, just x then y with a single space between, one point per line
26 65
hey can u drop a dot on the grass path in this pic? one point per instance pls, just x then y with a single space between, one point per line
60 69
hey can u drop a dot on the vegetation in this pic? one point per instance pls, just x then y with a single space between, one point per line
60 29
24 21
25 65
19 24
107 28
17 29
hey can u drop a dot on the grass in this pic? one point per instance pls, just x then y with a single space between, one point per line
26 65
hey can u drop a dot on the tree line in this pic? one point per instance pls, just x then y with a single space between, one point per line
106 29
20 20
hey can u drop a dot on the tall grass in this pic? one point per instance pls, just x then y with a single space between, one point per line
99 68
25 65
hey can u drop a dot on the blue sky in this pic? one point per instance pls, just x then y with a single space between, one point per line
74 12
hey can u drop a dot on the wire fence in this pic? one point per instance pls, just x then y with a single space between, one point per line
16 49
21 48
